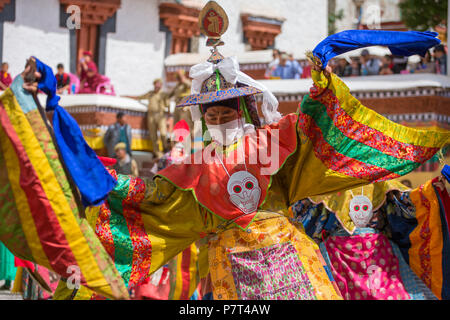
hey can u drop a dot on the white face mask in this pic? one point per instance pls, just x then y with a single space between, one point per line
228 132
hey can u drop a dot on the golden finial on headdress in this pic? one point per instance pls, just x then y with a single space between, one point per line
213 22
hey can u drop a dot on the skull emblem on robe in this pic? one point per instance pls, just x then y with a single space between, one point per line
361 211
244 191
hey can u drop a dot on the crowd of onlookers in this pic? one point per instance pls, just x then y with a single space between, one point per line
367 65
284 66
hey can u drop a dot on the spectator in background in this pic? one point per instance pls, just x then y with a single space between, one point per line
343 69
369 65
125 164
5 80
306 71
284 70
297 68
85 64
158 103
400 64
440 57
62 80
407 183
118 132
333 64
273 64
425 65
387 65
355 68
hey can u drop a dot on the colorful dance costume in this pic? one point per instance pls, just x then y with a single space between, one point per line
402 252
256 250
332 143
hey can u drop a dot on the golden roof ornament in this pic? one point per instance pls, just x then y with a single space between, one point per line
213 22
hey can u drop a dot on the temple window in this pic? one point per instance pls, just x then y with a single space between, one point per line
260 32
182 23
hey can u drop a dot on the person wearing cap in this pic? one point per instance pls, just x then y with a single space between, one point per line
158 103
125 164
234 195
285 69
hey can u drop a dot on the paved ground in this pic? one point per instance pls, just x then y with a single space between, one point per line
6 295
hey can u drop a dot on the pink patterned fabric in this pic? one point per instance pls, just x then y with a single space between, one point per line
271 273
365 267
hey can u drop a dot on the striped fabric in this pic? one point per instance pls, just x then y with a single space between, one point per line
121 230
353 140
184 274
39 216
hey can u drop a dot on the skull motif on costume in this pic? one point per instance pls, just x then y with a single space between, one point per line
361 211
244 191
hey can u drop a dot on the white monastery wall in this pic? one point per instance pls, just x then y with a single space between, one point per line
135 52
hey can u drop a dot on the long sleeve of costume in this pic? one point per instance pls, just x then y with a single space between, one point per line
145 223
342 144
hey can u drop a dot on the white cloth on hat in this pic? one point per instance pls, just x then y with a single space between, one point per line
229 69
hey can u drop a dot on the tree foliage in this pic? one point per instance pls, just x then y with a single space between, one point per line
421 15
332 18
